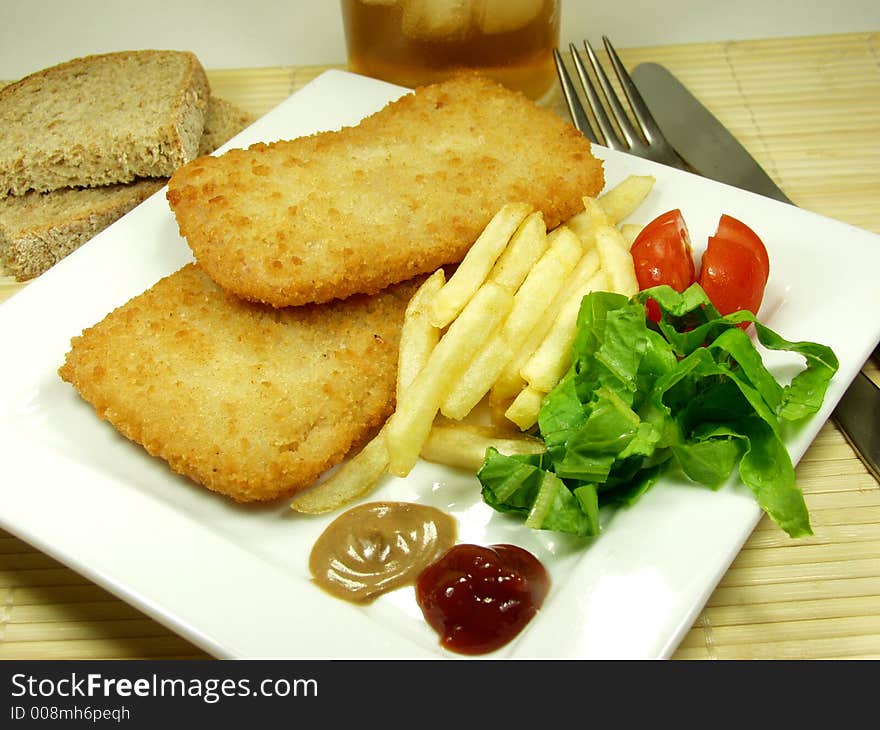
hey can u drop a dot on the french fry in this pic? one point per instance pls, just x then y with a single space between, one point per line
544 282
477 263
613 249
497 404
616 204
464 445
581 280
525 248
552 358
510 382
595 214
616 260
418 337
529 304
409 426
354 478
630 232
582 226
510 314
478 377
524 409
362 472
623 199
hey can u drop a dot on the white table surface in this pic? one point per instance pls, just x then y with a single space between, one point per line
255 33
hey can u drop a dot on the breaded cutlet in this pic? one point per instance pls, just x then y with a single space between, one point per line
250 401
405 191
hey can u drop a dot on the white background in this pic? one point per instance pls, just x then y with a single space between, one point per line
251 33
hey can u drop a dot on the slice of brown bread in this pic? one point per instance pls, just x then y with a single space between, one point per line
223 121
102 119
39 229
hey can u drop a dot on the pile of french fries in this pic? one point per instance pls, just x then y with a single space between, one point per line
492 341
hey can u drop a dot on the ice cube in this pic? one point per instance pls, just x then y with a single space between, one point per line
437 19
505 16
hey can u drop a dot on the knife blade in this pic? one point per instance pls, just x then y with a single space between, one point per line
699 138
712 151
859 422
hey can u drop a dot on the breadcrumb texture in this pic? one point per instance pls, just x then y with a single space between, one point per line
250 401
102 119
405 191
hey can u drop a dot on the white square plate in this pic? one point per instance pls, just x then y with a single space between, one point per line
234 580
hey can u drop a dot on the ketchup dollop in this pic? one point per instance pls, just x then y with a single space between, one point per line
479 598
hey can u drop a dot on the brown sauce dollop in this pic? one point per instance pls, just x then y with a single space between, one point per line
379 546
479 598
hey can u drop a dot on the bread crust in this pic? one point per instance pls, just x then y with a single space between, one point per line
102 119
39 229
405 191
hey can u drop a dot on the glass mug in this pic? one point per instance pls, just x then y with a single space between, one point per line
415 42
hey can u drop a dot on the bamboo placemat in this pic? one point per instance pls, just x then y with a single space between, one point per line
808 109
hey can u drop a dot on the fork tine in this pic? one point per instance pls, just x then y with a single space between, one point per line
628 132
578 116
657 147
606 127
640 110
643 139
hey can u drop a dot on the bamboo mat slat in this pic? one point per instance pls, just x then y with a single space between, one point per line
808 109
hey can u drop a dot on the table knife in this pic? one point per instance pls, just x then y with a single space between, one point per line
700 139
712 151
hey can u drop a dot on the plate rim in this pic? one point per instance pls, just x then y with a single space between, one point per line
53 537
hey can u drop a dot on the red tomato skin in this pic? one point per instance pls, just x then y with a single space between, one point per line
662 254
732 276
652 310
733 229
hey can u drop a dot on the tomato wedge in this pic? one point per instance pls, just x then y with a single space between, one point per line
731 229
735 267
732 276
662 254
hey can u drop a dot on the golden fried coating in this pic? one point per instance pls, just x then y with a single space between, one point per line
250 401
405 191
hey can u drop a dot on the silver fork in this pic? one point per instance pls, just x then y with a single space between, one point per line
648 141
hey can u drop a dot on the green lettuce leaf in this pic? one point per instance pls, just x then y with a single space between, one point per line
518 485
691 390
